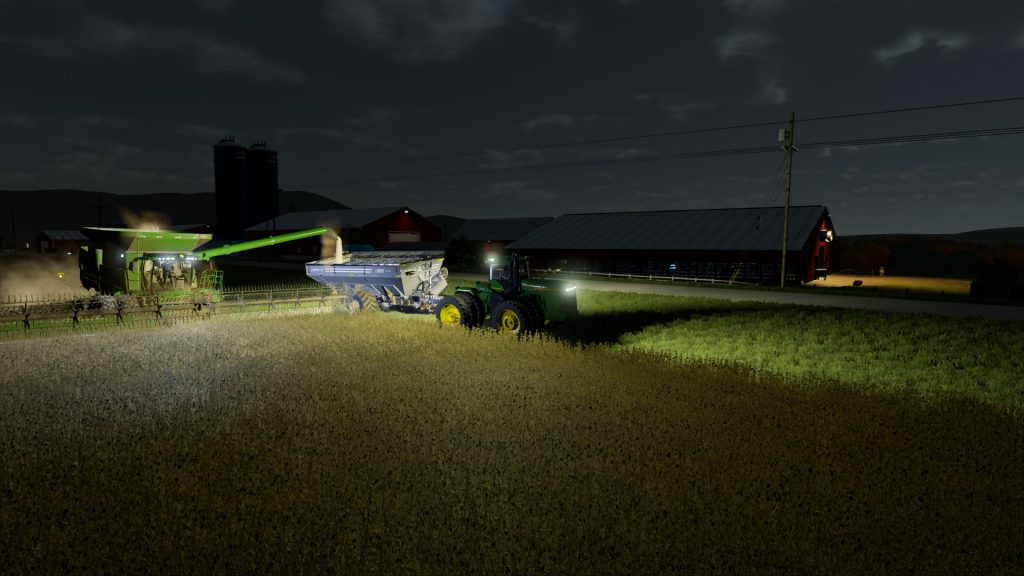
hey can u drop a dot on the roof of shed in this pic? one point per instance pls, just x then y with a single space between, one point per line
498 229
64 235
727 229
352 218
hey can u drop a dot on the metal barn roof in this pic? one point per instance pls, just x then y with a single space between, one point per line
729 229
498 229
75 235
351 218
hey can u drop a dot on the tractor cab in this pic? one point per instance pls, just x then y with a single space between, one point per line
506 274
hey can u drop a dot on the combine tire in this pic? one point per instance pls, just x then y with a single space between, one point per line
511 317
455 311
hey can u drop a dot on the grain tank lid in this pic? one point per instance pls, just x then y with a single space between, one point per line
211 244
92 232
228 142
261 145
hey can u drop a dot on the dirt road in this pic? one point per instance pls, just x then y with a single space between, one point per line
953 309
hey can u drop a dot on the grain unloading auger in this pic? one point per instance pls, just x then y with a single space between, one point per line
415 281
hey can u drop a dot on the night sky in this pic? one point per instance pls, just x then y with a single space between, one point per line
129 97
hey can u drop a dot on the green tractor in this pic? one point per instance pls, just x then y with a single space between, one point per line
510 301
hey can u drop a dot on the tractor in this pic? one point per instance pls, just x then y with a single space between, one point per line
509 301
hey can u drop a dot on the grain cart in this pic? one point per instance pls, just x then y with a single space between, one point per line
409 282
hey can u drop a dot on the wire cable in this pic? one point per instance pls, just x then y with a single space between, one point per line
956 135
635 137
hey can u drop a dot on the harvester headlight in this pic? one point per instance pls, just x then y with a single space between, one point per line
570 288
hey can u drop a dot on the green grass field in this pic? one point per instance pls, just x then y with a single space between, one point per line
867 350
385 444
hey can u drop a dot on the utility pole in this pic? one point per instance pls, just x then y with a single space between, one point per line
789 184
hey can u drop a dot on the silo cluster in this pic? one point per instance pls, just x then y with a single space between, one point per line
245 180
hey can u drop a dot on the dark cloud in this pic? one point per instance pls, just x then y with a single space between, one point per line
412 30
129 97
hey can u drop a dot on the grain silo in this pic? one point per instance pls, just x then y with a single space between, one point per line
230 183
261 166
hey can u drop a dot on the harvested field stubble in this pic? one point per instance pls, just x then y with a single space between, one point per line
377 443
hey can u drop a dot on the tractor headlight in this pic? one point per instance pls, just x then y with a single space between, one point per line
570 288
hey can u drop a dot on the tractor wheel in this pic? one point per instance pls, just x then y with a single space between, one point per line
535 314
453 311
365 301
474 308
510 316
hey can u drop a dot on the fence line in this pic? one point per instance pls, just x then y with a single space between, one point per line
550 271
30 315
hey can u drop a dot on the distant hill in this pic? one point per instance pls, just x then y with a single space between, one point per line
29 211
962 255
988 236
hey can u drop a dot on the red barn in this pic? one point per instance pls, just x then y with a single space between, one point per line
367 228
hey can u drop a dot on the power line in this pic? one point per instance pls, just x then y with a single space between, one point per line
955 135
762 124
911 109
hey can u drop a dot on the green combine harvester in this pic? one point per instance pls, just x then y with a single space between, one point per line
132 261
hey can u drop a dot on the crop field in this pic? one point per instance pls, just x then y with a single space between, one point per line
925 355
381 443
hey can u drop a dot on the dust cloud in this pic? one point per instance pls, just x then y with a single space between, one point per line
328 244
145 220
39 276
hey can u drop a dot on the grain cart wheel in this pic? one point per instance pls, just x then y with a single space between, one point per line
510 316
452 311
473 307
365 301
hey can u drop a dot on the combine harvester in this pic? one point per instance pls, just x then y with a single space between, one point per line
125 261
413 282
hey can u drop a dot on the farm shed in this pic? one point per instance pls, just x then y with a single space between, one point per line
379 228
60 241
495 233
473 240
737 243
